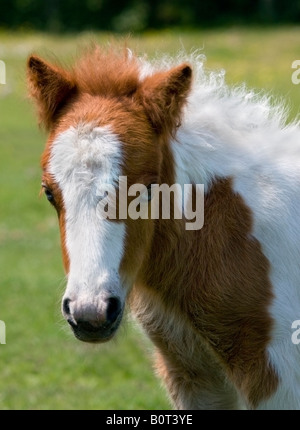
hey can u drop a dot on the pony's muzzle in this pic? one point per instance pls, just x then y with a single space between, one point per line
93 321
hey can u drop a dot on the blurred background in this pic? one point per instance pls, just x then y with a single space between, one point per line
42 366
140 15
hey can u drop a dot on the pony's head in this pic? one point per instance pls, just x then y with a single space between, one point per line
107 118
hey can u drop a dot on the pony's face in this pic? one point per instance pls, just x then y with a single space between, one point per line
85 165
105 137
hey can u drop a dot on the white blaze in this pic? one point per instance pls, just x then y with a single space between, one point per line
82 159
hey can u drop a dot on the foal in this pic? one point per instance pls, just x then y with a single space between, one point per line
218 302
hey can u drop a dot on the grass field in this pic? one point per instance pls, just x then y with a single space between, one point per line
41 365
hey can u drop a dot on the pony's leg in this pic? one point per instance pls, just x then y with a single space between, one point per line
196 383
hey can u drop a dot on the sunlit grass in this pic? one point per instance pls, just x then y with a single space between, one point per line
42 365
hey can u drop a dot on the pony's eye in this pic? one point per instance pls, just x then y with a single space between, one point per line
48 194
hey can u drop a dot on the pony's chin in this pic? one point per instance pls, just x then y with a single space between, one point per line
94 340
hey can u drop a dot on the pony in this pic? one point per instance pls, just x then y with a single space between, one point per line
220 303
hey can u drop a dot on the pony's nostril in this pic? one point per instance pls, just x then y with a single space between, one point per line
113 309
66 307
72 323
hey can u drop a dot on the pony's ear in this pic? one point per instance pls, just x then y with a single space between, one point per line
49 86
163 95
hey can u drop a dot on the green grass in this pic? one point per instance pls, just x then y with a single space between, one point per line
42 366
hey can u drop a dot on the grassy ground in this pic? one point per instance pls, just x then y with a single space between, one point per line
42 366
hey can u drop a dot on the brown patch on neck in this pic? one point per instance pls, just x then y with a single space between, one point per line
222 285
236 292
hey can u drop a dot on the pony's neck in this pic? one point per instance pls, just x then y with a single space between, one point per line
201 156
